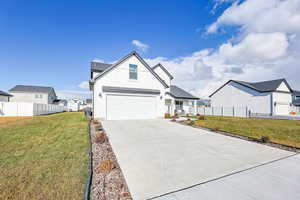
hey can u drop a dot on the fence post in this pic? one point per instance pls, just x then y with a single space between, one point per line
233 114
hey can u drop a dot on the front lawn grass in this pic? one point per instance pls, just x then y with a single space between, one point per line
43 157
286 132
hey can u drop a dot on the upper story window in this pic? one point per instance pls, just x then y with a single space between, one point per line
38 96
132 71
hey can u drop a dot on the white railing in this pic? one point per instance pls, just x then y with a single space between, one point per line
28 109
224 111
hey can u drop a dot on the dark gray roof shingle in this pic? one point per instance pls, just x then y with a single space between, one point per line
99 66
263 86
31 88
177 92
296 93
5 94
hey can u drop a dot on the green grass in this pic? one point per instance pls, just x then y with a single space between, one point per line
285 132
44 157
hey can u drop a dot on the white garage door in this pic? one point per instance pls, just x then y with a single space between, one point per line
130 107
282 109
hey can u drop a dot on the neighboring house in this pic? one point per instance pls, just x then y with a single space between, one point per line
33 94
73 105
268 97
131 89
4 97
296 101
60 102
89 103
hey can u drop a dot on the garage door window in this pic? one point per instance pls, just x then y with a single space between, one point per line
133 72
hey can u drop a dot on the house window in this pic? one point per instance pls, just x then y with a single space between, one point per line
38 96
133 72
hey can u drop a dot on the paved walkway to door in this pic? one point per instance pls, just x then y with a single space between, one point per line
158 156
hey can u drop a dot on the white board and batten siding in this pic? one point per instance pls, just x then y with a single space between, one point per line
130 106
282 101
236 95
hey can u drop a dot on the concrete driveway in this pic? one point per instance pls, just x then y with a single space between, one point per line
158 157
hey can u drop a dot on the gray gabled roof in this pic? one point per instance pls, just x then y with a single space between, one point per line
263 86
296 93
5 94
179 93
125 58
164 69
99 66
31 88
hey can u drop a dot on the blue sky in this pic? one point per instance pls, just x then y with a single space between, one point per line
52 42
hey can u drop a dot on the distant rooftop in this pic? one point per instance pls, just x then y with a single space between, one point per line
5 94
99 66
31 88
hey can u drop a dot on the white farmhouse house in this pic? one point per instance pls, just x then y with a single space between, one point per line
268 97
4 97
131 89
33 94
296 101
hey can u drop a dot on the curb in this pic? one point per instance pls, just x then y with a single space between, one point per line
88 185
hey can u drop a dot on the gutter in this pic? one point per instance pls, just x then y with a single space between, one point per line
87 190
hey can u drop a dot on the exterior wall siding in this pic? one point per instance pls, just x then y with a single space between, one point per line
4 98
119 77
29 97
236 95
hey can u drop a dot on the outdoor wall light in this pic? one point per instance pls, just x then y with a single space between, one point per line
160 97
100 94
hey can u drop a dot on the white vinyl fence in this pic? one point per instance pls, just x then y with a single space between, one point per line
224 111
28 109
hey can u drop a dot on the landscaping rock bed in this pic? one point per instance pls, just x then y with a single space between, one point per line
108 182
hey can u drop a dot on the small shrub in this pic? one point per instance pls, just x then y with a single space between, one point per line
101 138
187 115
173 119
95 121
167 115
215 129
106 166
198 114
176 115
191 122
201 117
265 139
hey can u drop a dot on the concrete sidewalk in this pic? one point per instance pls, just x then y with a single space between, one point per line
158 156
275 181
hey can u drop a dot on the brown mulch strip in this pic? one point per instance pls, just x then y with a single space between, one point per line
271 144
108 182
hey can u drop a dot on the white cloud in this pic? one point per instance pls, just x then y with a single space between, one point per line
261 16
98 60
266 47
140 45
84 85
256 47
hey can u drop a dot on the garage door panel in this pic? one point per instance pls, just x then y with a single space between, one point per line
120 107
282 109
